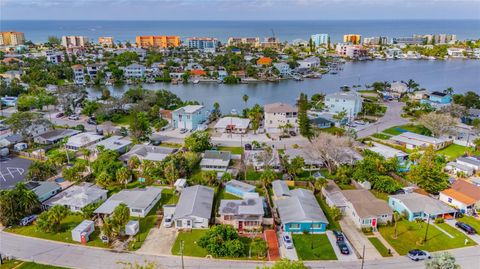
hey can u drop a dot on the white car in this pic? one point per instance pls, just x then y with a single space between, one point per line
74 117
287 241
168 222
418 254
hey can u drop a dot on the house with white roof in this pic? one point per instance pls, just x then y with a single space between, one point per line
115 142
389 152
232 125
417 141
472 162
349 102
54 136
194 208
215 160
76 197
148 152
309 63
83 140
134 71
419 206
139 201
189 117
259 159
456 168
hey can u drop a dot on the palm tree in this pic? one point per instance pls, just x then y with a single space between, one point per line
411 84
26 199
171 172
396 218
55 216
123 175
133 163
245 99
86 155
448 91
255 115
267 177
319 184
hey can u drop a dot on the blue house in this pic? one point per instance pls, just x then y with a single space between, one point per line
299 212
238 188
189 117
322 123
418 206
437 98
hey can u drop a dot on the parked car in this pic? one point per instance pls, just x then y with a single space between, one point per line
59 115
248 146
465 227
182 131
287 241
156 142
28 220
92 121
168 222
74 117
418 254
339 235
292 133
343 247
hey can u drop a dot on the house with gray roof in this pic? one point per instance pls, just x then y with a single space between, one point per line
455 168
419 206
215 160
139 201
301 213
365 210
334 196
43 189
471 162
114 142
147 152
280 189
239 188
194 208
77 197
245 214
417 141
54 136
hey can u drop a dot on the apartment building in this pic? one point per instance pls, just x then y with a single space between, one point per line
11 38
78 74
105 40
157 41
438 38
74 41
352 39
350 102
206 44
408 40
353 51
320 39
375 40
53 56
134 71
235 41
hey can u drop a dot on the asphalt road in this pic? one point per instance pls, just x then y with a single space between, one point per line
12 171
391 118
73 256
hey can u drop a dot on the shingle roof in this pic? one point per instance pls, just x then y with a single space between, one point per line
280 188
194 201
279 108
467 189
300 207
136 198
421 203
365 204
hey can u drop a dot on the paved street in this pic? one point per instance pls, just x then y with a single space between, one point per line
391 118
73 256
474 237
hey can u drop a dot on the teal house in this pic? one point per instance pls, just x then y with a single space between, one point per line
437 98
418 206
43 189
189 117
299 212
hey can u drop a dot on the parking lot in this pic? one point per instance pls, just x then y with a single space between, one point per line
12 171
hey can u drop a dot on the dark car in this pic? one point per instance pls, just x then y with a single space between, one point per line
343 247
292 133
339 235
248 147
59 115
92 121
465 227
418 254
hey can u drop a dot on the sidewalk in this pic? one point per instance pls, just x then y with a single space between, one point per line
386 244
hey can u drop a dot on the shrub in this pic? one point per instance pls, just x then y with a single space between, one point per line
439 220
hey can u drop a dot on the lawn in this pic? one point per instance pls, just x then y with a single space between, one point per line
475 223
233 150
396 130
190 246
381 136
379 246
171 145
70 222
27 265
332 224
322 249
332 130
409 233
453 151
380 195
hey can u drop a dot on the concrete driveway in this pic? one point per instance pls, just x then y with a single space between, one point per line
474 237
358 240
159 241
340 256
285 253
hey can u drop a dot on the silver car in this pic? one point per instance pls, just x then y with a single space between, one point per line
418 254
168 221
287 241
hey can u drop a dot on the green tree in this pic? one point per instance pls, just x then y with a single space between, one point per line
428 173
245 99
40 171
443 260
303 120
140 126
49 221
123 175
295 166
87 211
222 241
287 264
17 203
198 141
114 224
268 176
209 177
90 107
255 114
319 184
54 40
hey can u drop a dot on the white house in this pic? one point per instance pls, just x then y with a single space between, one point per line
456 52
309 63
456 168
365 210
115 142
471 162
462 195
78 74
214 160
232 125
139 201
280 114
83 140
194 208
348 102
283 68
77 197
413 140
134 71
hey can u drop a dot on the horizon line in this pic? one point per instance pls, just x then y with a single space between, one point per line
233 20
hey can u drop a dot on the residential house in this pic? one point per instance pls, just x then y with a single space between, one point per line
456 52
147 152
246 214
189 117
309 63
92 70
214 160
283 68
321 122
232 125
365 210
43 189
77 197
114 142
472 162
54 136
83 140
278 115
259 159
437 99
300 212
264 61
134 70
456 168
334 196
239 188
417 141
194 208
280 189
348 102
389 152
311 163
139 201
393 53
462 195
419 206
78 74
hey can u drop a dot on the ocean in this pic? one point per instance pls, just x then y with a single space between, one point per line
39 30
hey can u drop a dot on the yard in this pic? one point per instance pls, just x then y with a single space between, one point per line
10 264
453 151
332 224
233 150
381 136
410 234
320 249
70 222
379 246
396 130
475 223
332 130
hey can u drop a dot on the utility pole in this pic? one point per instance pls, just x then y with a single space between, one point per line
363 256
182 245
426 230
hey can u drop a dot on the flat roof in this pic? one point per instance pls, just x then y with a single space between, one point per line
189 109
279 108
387 152
235 122
135 198
417 139
82 139
112 143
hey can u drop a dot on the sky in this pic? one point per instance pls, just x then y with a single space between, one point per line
238 9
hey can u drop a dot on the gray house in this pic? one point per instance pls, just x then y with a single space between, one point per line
43 189
54 136
194 208
215 160
147 152
139 201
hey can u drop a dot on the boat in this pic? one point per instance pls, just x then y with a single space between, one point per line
196 81
233 112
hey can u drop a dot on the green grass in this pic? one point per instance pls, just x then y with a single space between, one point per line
332 224
380 195
410 234
379 246
453 151
396 130
121 120
233 150
190 246
67 224
27 265
475 223
381 136
332 130
171 145
322 249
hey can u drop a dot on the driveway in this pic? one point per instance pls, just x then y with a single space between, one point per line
358 240
392 117
474 237
159 241
340 256
285 253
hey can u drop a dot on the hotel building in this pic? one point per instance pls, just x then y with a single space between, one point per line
352 38
320 39
157 41
74 41
105 40
11 38
206 44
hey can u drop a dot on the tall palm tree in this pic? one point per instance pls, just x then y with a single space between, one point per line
55 216
255 115
411 85
123 175
26 200
396 218
245 99
448 91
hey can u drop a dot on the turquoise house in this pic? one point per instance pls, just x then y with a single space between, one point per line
299 212
43 189
189 117
418 206
437 98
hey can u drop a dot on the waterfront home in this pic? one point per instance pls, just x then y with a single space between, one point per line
76 197
356 52
456 168
83 140
54 136
437 99
309 63
334 196
189 117
365 210
134 71
278 115
78 74
43 189
232 125
260 159
239 188
283 68
194 208
462 195
139 201
321 122
115 142
417 141
348 102
244 215
398 88
147 152
205 44
300 212
419 206
320 39
213 160
456 52
393 53
92 70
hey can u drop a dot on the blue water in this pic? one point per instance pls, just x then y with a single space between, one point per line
38 31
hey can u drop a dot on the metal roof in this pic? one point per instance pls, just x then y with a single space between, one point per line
302 206
280 188
195 201
135 198
416 202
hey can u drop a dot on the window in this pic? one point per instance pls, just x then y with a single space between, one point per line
316 226
449 200
189 222
179 223
136 210
294 226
